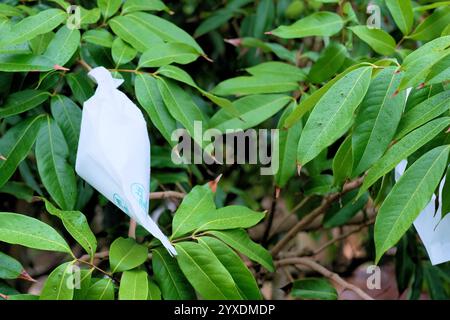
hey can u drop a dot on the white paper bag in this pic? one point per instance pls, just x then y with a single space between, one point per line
433 231
114 151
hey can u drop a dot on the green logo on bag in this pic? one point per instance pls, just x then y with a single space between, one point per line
120 203
138 191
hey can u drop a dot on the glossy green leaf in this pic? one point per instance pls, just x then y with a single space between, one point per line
241 275
379 40
24 63
278 69
80 85
32 26
10 268
126 254
286 141
166 30
22 101
59 284
99 37
40 43
76 224
433 25
149 97
29 232
101 289
239 240
402 12
408 197
181 106
108 7
343 162
402 149
63 45
83 283
330 61
446 195
265 14
205 272
144 5
168 275
439 72
377 119
19 190
321 23
57 175
423 112
121 52
133 285
154 293
333 114
314 288
16 144
140 37
253 109
246 85
168 53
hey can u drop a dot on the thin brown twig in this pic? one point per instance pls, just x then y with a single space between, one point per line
326 273
166 195
342 237
132 229
314 214
84 64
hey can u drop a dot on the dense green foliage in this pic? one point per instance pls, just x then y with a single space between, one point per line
334 86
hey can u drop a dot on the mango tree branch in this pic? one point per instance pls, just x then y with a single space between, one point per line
309 218
308 262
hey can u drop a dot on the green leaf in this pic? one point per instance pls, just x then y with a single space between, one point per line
121 52
286 141
63 45
205 272
402 149
379 40
133 285
417 64
153 291
166 30
59 284
333 114
82 287
68 117
246 85
377 119
213 22
80 85
9 11
330 61
402 12
140 37
168 53
423 112
180 75
314 288
100 37
19 190
10 268
241 275
433 25
76 224
439 72
29 232
56 174
321 23
408 197
309 102
265 12
198 202
253 109
22 101
280 69
16 144
173 283
40 43
126 254
343 162
144 5
340 213
181 106
149 97
446 195
239 240
24 63
101 289
109 7
32 26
